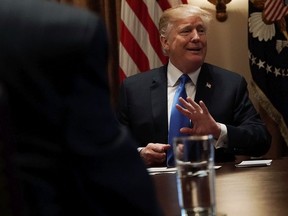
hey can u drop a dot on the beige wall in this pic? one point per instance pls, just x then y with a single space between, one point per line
227 41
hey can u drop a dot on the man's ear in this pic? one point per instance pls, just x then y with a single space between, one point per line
164 43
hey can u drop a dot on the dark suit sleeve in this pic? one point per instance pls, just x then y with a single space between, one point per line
248 135
227 100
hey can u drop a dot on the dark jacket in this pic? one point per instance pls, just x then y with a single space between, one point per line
67 153
143 108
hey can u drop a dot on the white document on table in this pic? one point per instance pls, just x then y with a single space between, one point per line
159 170
253 163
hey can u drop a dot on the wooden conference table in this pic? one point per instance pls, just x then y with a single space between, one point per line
250 191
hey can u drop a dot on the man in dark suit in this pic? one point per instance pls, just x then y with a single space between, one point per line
66 154
217 101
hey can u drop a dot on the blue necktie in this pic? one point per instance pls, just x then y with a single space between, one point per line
177 119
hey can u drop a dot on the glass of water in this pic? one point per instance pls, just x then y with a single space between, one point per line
194 159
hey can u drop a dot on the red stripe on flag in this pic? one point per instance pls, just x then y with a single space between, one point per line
164 4
141 11
274 10
122 75
133 48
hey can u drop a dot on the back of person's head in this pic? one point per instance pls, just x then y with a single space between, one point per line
182 11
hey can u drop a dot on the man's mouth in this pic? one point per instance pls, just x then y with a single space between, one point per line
194 49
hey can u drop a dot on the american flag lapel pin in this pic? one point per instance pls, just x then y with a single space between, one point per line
208 85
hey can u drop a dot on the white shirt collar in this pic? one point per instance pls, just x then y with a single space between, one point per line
174 73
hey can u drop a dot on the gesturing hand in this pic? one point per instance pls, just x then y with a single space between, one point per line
203 122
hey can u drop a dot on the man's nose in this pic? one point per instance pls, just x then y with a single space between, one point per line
194 35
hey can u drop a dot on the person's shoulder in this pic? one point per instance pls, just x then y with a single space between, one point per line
146 75
220 71
62 11
70 11
46 12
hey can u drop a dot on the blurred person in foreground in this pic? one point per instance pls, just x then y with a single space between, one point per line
67 154
217 102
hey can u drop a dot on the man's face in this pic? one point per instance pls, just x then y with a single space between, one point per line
186 44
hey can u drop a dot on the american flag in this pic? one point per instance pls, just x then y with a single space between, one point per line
268 58
140 48
274 10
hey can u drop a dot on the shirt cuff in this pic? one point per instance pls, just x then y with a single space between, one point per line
139 149
222 140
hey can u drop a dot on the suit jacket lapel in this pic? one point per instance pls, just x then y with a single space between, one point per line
205 85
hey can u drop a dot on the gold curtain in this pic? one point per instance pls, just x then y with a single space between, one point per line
110 12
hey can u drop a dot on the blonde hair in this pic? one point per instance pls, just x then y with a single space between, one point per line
181 11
